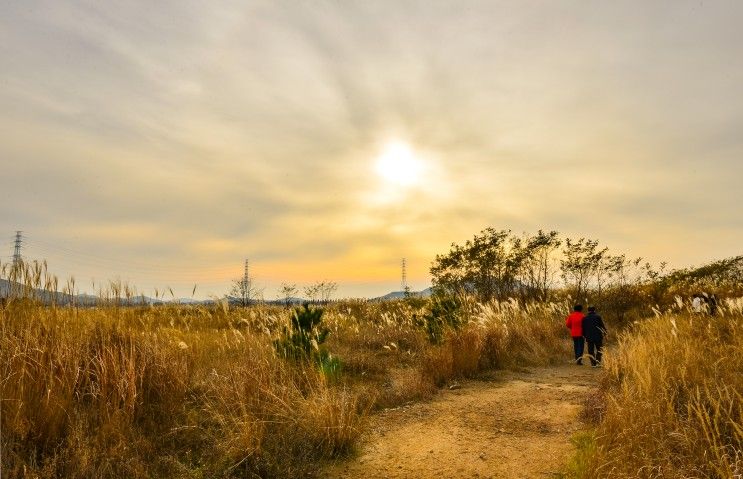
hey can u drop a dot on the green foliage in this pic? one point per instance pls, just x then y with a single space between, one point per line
485 265
445 313
580 465
718 276
416 302
304 338
330 366
537 265
499 265
582 260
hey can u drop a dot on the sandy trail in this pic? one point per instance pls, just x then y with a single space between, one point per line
510 425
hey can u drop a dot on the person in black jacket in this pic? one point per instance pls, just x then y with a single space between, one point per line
594 331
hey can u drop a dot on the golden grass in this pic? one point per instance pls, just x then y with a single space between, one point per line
173 391
671 404
116 392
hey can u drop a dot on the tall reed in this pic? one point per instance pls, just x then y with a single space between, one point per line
179 391
672 403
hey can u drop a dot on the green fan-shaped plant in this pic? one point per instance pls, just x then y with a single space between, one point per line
304 337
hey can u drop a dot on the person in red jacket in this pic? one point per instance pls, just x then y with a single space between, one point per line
574 322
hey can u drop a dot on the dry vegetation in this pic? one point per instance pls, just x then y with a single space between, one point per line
172 391
671 402
206 391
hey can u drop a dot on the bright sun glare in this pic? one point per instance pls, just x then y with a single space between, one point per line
397 164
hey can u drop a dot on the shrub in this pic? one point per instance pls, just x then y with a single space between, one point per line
444 314
303 339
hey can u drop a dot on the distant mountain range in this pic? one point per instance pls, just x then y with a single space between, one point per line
7 288
401 294
91 300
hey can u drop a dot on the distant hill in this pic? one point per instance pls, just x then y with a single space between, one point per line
7 288
83 299
401 294
186 301
725 274
91 300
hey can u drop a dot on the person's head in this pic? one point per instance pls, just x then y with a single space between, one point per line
578 308
592 309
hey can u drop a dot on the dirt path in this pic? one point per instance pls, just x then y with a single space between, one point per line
511 425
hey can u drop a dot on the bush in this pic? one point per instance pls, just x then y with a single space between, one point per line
303 339
444 314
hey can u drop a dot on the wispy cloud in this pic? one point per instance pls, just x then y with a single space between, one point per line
189 136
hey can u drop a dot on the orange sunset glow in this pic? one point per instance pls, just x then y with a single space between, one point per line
329 140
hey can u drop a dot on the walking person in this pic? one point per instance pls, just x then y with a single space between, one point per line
594 331
574 322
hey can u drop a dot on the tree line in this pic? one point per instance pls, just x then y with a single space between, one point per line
244 292
499 265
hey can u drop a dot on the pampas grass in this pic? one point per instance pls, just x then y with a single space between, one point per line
672 403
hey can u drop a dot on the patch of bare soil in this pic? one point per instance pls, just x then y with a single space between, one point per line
511 425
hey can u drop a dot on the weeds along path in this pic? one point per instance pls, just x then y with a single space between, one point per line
508 425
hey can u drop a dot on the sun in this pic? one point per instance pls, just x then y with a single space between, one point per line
397 164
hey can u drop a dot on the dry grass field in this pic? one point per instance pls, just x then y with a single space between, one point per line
218 391
178 391
671 401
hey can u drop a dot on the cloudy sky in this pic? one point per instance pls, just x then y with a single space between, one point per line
165 142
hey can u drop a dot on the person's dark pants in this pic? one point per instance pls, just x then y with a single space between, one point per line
578 346
594 351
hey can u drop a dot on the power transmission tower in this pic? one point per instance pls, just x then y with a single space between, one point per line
404 282
16 271
18 244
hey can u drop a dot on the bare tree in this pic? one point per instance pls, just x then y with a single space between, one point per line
327 288
581 261
287 291
539 266
622 292
312 292
320 291
244 292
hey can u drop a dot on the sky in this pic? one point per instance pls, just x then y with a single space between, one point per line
163 143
